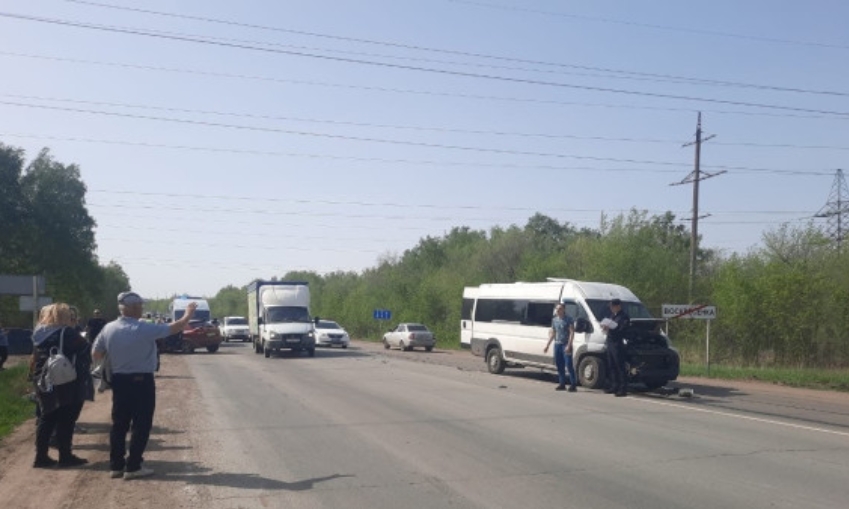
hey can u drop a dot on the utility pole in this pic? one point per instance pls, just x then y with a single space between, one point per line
695 177
834 210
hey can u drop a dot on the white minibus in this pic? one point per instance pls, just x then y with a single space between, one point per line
507 325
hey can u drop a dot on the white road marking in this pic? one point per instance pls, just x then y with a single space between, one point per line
744 417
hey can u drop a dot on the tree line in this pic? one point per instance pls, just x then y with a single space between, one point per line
45 229
784 303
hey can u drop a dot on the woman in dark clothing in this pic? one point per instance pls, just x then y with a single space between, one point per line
59 405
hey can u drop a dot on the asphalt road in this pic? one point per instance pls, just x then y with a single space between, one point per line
358 428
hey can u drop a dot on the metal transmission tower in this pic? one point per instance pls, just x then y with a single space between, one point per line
836 210
695 177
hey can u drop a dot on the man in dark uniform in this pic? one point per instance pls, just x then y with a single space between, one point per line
94 326
618 377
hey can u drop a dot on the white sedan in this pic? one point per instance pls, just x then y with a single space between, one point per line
407 336
330 333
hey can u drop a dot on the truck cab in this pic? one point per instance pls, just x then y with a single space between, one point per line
279 317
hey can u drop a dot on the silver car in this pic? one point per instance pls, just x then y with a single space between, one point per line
407 336
330 333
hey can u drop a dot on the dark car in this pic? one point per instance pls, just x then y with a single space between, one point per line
198 334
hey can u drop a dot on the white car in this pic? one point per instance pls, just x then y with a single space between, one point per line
330 333
235 327
407 336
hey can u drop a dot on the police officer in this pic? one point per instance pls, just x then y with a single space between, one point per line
130 345
618 378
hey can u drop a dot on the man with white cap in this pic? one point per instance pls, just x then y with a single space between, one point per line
131 347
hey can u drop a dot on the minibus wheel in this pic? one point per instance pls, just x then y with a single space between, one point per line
494 362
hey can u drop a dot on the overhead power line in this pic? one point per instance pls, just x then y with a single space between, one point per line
475 164
431 93
612 72
406 205
599 19
437 129
433 70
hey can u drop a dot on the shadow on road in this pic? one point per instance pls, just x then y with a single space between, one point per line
192 473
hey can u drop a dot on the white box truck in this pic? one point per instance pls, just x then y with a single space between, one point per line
507 325
279 317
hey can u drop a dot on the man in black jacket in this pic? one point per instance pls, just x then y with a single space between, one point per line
618 377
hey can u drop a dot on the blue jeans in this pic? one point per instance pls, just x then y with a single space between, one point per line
563 361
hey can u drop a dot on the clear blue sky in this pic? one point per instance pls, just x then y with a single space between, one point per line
327 164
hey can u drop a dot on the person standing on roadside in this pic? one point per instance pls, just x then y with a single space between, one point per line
94 325
59 406
615 344
4 347
562 332
130 345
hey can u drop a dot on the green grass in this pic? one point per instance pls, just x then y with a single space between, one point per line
824 379
14 407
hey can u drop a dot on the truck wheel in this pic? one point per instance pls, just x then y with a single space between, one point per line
428 349
212 348
591 372
494 361
267 352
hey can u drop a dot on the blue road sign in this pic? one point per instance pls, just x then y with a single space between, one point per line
382 314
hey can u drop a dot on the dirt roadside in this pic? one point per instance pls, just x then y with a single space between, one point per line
170 451
174 451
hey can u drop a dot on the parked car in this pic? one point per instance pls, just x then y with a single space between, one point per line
330 333
235 327
407 336
198 334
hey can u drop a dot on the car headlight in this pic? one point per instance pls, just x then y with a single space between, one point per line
275 335
323 336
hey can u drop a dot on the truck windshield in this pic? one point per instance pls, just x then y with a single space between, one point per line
601 309
280 314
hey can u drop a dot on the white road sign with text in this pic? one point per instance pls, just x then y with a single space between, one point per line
696 311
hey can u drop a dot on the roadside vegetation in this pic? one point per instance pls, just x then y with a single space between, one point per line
809 378
14 407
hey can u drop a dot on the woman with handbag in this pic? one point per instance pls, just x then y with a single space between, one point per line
57 370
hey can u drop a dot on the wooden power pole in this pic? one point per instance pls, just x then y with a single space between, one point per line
696 176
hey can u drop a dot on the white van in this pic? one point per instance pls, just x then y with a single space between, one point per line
507 325
177 308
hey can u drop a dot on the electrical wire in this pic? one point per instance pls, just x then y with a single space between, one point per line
651 25
612 72
433 70
400 142
380 89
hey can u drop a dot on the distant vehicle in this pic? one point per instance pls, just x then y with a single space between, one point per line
407 336
198 334
177 308
235 327
508 324
330 333
279 317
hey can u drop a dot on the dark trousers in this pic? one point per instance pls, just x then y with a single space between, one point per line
133 404
618 378
62 421
4 354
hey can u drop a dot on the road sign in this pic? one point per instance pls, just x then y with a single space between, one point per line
382 314
694 311
25 303
20 285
